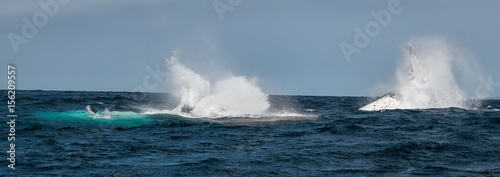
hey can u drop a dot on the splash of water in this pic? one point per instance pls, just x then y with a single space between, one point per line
231 96
432 83
105 114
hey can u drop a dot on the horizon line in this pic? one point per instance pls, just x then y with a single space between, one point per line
491 97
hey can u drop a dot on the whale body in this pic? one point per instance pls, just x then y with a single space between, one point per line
392 100
389 101
186 109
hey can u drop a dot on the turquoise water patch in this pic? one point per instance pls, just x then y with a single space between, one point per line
82 118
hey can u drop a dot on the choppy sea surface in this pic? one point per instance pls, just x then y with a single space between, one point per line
300 136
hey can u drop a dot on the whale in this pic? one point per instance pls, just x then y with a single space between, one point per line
91 109
186 109
392 100
388 101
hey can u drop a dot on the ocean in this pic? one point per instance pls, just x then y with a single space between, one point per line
298 136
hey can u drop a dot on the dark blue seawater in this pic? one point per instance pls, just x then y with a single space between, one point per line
55 136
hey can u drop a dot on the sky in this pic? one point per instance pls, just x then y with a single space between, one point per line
292 47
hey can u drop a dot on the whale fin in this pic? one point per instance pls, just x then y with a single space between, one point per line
414 62
91 109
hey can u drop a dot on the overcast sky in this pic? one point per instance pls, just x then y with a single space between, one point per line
291 46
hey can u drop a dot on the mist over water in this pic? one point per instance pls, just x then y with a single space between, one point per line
433 82
229 96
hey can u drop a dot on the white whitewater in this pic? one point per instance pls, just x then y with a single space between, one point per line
429 84
230 96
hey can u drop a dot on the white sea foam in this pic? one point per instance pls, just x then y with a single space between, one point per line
440 75
105 114
230 96
433 84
